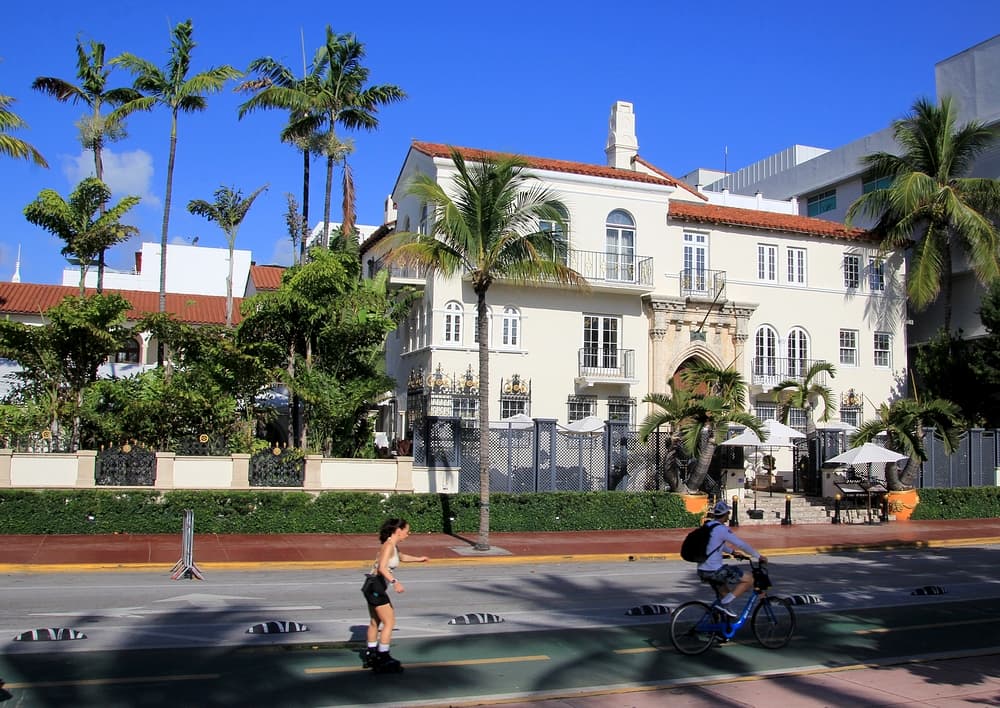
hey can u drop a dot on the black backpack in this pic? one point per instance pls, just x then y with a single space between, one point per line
694 548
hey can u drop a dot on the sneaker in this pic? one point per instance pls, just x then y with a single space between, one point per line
367 657
724 609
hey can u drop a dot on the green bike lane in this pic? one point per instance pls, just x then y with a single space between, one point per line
484 666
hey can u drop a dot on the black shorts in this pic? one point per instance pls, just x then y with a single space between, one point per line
376 590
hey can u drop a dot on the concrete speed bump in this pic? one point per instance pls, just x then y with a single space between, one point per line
49 634
929 590
476 618
648 610
277 627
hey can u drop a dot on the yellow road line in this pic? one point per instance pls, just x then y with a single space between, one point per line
424 664
112 681
935 625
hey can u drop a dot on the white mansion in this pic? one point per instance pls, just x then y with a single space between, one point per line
676 275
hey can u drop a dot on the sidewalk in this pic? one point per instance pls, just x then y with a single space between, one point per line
82 552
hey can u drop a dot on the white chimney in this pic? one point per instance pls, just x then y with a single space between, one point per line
622 144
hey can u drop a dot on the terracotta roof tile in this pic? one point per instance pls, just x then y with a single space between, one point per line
754 219
34 299
266 277
542 163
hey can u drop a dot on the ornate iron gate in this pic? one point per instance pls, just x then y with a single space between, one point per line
277 467
126 465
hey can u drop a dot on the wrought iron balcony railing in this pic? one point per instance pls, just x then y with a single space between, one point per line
769 371
606 364
612 268
703 284
397 273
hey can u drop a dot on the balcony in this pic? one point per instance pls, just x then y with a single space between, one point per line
613 271
399 275
702 284
606 365
767 372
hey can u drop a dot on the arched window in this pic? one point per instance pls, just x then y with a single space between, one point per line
511 328
619 246
129 353
797 348
453 323
765 360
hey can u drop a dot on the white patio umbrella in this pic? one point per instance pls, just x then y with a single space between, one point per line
867 454
779 431
838 425
590 425
747 438
518 421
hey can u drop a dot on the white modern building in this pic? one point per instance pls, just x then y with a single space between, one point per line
826 182
675 275
195 270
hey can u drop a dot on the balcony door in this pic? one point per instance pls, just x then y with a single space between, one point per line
695 274
619 247
600 342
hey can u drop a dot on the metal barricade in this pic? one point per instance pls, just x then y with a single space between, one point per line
185 567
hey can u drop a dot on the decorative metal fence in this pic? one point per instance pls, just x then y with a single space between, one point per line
543 458
277 467
202 444
125 465
973 464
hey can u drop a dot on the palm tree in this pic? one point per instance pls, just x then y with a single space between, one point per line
903 423
173 88
95 129
228 211
719 399
334 93
9 145
274 83
930 206
84 222
805 393
675 410
487 231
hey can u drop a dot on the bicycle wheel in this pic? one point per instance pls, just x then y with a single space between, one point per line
773 623
691 628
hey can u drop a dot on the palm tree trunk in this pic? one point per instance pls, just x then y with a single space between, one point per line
165 229
704 459
482 327
99 172
946 285
326 204
305 205
229 283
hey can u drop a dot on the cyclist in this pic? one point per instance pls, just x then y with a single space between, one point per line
731 577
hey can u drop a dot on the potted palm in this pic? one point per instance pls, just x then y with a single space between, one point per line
904 423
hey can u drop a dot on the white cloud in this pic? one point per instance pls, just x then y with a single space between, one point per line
281 254
126 173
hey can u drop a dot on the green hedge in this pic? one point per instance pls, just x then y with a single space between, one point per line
147 511
961 503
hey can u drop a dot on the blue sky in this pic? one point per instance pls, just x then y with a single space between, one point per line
532 78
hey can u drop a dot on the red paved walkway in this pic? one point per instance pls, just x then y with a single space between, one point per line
129 549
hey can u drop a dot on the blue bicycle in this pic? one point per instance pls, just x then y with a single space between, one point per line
696 626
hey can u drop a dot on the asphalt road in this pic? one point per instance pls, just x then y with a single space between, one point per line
153 641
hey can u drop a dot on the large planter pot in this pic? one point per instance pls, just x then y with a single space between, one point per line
695 503
902 504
